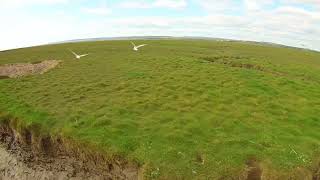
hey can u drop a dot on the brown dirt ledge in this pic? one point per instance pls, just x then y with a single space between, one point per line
26 69
24 154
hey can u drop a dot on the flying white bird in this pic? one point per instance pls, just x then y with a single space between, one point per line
136 48
77 55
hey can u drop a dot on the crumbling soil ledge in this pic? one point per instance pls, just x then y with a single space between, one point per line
26 69
52 157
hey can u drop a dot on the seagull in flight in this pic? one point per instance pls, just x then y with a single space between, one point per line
77 55
136 48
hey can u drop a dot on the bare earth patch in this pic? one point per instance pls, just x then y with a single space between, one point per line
254 169
23 157
18 163
26 69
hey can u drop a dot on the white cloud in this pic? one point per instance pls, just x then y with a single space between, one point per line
21 3
256 5
285 21
97 11
314 4
22 29
219 6
101 9
172 4
135 5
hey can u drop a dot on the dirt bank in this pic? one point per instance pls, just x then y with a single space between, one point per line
25 69
13 167
22 157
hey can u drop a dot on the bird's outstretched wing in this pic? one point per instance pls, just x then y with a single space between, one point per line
133 44
73 53
83 55
141 45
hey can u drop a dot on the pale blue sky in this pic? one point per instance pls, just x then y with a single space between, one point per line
33 22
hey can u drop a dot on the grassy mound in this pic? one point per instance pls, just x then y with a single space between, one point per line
180 108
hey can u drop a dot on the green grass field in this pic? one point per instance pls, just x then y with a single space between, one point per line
191 109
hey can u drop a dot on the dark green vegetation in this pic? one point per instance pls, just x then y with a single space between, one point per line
190 108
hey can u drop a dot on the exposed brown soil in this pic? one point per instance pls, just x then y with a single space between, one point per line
25 69
316 171
25 156
4 77
254 169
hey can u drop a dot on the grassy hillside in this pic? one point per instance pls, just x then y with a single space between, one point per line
182 108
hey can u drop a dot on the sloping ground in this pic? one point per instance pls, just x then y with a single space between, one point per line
25 69
179 109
